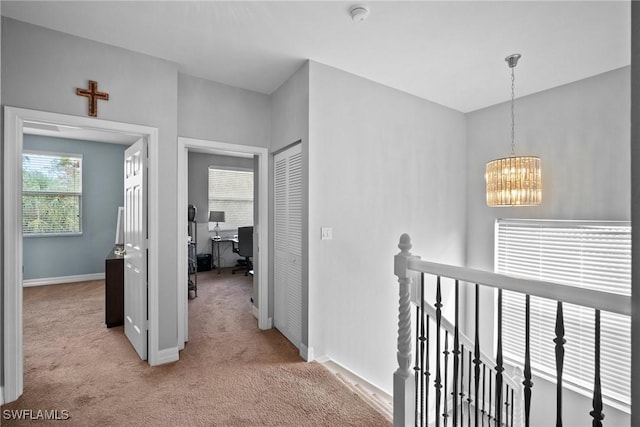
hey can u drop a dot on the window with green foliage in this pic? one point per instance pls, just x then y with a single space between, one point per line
51 193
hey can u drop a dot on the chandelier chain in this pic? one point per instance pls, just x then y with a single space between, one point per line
513 117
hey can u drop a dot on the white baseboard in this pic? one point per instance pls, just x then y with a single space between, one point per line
306 353
167 355
323 359
1 395
63 279
255 311
336 367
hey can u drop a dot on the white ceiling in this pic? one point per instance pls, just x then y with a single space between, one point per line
449 52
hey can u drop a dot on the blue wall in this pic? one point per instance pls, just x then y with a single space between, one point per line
102 188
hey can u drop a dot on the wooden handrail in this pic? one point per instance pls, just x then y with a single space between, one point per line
604 301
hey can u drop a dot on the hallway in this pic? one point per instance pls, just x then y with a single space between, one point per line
229 374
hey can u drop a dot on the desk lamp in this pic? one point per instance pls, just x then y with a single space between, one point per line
217 217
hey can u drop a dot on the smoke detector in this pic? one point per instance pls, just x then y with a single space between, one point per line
359 13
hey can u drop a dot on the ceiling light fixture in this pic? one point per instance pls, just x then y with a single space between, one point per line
359 13
514 181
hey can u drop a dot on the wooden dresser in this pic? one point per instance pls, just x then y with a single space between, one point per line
114 289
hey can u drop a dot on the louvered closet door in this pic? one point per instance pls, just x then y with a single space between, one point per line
288 243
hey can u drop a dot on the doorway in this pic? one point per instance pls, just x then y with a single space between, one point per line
12 251
261 258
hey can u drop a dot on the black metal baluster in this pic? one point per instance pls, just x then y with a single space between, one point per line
597 414
499 367
427 376
422 343
476 359
490 396
506 407
456 352
438 383
445 410
560 341
527 363
469 399
461 392
416 367
484 394
512 405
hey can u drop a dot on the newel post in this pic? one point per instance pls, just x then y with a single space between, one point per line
403 381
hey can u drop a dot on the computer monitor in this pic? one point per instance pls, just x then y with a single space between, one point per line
120 227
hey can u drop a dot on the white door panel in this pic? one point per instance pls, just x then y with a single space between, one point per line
288 243
135 243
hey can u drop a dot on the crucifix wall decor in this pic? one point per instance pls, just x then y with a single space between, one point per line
93 94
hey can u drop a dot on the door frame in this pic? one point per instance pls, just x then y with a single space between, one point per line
12 255
262 232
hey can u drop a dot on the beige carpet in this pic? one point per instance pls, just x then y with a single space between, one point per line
229 374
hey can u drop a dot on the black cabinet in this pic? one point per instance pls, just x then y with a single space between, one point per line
114 289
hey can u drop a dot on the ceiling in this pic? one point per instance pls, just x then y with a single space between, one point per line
449 52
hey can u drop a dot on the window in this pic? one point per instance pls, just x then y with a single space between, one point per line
591 255
51 193
231 191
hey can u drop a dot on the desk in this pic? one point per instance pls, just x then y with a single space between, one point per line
215 248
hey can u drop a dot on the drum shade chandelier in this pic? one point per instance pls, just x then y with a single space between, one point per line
514 180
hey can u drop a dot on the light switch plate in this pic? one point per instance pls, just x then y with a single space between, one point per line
326 233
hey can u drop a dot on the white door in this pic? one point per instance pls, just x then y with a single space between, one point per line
135 243
288 243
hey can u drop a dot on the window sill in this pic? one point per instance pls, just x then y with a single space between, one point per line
52 235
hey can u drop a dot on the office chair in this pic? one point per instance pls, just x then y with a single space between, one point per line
245 249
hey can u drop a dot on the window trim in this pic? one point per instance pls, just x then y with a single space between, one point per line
79 195
542 371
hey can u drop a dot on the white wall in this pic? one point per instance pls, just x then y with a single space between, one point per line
41 69
381 163
581 133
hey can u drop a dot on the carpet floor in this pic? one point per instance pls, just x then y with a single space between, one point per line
229 374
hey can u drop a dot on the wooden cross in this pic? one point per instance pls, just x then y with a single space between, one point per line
93 95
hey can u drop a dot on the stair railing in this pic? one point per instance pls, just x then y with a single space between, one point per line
411 397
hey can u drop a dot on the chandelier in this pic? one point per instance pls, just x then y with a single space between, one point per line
513 180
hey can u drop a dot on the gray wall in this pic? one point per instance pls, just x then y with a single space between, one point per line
199 196
635 208
290 124
581 132
216 112
102 193
41 69
364 131
381 163
1 234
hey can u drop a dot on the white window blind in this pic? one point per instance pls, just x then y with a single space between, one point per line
231 191
590 255
51 193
